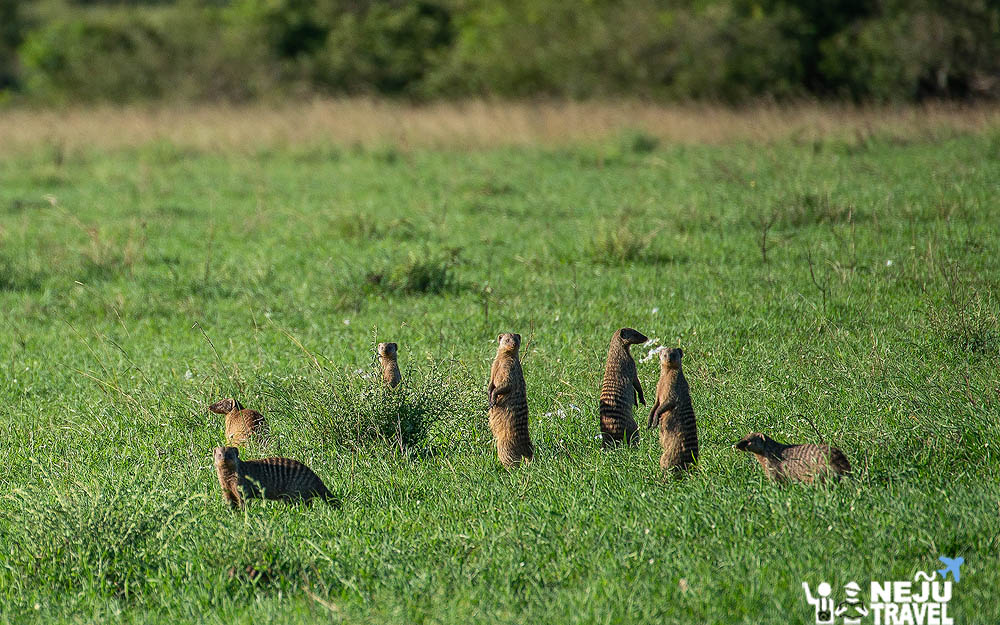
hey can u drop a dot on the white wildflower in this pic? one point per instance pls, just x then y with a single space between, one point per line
888 263
188 375
347 322
656 310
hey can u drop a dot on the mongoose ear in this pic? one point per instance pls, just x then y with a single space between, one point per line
499 338
517 339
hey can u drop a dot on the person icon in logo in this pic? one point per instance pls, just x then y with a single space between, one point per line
823 604
851 607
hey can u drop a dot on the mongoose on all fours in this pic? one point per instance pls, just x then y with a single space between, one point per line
387 353
508 402
798 463
269 478
241 423
620 390
673 414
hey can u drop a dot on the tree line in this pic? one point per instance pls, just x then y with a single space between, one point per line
723 50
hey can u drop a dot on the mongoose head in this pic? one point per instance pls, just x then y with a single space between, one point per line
228 457
671 358
225 406
508 342
631 337
387 350
755 443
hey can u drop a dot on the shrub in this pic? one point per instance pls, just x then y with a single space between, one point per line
427 273
358 411
621 241
968 318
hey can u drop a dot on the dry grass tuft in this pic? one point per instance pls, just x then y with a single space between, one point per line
471 124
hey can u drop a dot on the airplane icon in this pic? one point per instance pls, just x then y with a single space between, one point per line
951 564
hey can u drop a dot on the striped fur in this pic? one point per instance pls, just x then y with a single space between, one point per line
270 478
387 353
508 401
795 463
620 390
241 423
674 414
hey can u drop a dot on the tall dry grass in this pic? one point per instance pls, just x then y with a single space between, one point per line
470 124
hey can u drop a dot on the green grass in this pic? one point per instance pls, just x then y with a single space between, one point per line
137 286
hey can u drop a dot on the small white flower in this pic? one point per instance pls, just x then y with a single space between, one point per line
557 317
829 528
347 322
888 263
522 564
267 314
575 408
597 437
656 310
188 375
547 414
651 560
647 531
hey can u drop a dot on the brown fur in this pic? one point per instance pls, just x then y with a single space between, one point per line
269 478
241 423
798 463
387 357
674 415
508 401
620 390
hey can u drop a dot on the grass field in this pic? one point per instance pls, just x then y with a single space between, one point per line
841 284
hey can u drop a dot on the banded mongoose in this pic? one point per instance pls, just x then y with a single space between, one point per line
390 366
620 390
508 402
673 414
802 463
241 423
269 478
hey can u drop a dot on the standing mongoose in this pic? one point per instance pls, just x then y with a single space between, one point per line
620 390
802 463
241 423
508 401
390 366
270 478
673 414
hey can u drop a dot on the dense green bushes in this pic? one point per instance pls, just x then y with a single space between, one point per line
730 50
